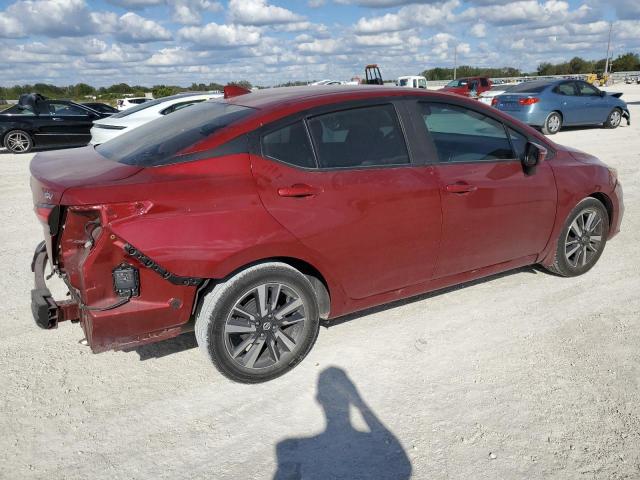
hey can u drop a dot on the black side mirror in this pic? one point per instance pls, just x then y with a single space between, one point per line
603 93
533 156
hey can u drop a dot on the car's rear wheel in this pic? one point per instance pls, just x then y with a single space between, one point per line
552 124
614 118
582 239
18 141
260 323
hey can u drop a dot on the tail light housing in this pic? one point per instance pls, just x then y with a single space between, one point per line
528 100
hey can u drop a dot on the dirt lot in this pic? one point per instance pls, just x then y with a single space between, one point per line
521 376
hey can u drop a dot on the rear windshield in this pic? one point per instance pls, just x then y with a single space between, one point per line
158 142
460 82
529 87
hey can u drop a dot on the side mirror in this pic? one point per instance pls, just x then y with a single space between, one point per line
533 156
603 93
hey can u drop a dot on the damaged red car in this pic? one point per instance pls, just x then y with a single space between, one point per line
252 218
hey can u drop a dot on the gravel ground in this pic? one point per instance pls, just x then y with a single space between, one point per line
520 376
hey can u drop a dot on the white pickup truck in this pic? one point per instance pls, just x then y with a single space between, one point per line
412 81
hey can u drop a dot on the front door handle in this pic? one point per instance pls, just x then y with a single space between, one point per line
299 190
57 119
461 187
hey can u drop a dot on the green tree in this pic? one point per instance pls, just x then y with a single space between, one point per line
628 62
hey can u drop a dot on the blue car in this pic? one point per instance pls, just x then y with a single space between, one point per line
552 104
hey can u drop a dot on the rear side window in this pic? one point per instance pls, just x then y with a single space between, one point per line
360 137
290 145
464 135
160 142
565 89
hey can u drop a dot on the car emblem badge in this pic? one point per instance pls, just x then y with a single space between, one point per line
48 195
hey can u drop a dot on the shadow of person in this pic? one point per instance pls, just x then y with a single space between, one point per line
341 451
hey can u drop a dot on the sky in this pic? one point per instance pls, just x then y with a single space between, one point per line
177 42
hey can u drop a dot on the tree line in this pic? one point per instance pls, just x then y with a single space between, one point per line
627 62
82 90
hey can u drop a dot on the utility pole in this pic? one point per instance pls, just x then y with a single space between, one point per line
606 65
455 60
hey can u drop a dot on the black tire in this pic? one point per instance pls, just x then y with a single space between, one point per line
18 141
219 313
563 264
614 118
552 124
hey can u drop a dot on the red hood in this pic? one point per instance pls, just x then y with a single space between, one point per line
54 172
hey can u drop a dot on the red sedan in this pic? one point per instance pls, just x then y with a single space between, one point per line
252 218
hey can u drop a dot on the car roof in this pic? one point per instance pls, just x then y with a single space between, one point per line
270 98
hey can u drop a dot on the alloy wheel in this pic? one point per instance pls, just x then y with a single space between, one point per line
18 142
264 326
553 123
584 238
614 118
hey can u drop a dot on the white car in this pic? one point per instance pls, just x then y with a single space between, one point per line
412 81
125 103
488 95
127 120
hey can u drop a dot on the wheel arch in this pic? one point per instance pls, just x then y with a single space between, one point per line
318 281
606 201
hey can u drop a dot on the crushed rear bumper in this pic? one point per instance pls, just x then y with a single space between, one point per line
47 313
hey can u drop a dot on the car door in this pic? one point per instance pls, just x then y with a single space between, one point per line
64 123
594 107
492 212
352 196
569 102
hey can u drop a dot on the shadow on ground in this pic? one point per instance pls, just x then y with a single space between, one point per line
187 341
341 451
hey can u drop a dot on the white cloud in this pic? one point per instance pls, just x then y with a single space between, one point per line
55 18
134 28
407 17
322 46
479 30
215 35
258 12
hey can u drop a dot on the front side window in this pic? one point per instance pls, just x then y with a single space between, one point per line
422 83
360 137
587 90
60 109
464 135
161 141
290 145
484 82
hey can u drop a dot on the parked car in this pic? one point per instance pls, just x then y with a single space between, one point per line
412 81
488 95
250 219
121 122
39 122
101 107
552 104
125 103
468 86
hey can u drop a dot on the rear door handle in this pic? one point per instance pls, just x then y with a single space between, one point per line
461 187
299 190
57 119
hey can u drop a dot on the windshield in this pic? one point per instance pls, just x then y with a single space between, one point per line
461 82
159 142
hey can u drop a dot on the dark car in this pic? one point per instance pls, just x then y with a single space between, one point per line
102 108
250 219
39 122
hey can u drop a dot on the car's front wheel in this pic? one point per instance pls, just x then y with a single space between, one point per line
614 118
582 239
552 124
260 323
18 141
